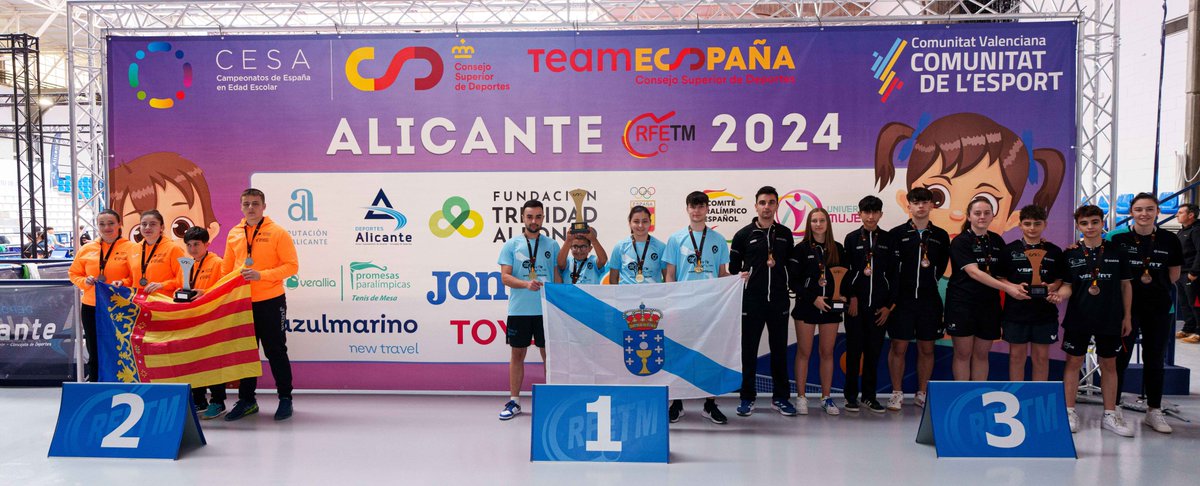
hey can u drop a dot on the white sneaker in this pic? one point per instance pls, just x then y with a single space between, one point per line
1072 420
919 399
1116 423
802 405
1157 421
896 402
829 407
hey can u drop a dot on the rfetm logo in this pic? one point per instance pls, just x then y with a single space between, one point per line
358 56
647 135
301 208
883 69
794 208
135 75
381 208
456 213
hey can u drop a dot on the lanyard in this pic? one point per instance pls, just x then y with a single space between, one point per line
576 270
250 239
695 247
984 243
1145 257
641 259
533 252
146 259
196 271
820 257
104 256
921 236
1095 264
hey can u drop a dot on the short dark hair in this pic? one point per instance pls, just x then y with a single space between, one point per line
255 193
639 209
1034 212
581 236
870 204
1192 208
195 233
532 203
1143 195
919 194
696 198
1087 211
766 190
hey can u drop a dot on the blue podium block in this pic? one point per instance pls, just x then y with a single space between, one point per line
130 420
600 423
997 419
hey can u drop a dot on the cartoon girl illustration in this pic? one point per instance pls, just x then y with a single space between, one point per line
961 157
173 185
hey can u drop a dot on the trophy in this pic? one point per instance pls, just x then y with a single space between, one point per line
1037 289
186 294
579 226
838 302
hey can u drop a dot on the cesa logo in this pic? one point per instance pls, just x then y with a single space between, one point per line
362 54
135 75
794 208
648 135
301 208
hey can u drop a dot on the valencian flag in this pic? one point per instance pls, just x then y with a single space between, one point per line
686 335
152 339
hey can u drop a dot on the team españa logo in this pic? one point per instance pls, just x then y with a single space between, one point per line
883 69
362 54
643 354
794 208
758 56
135 75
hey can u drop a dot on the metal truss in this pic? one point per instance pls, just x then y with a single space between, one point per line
21 52
91 20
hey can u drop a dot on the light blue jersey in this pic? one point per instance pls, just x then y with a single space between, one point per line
680 252
589 273
524 302
624 257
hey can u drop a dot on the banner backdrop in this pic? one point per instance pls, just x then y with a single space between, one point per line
37 337
398 162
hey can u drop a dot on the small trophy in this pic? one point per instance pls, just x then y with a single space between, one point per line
186 294
579 226
838 302
1037 289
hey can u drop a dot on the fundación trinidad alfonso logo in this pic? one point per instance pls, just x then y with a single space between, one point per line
403 56
794 208
883 69
643 341
456 216
159 49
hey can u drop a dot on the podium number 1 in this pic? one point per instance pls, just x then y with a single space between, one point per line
1016 435
602 407
115 438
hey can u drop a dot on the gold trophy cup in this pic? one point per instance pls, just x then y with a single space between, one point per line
579 226
1037 289
838 302
644 354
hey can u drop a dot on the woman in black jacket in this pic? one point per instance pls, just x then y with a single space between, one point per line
813 282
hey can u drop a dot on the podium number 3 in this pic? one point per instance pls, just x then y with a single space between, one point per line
602 407
1016 435
115 438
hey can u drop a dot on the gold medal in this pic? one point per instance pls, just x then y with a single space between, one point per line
639 278
699 267
1146 278
1094 289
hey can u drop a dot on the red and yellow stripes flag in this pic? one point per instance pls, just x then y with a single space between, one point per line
205 342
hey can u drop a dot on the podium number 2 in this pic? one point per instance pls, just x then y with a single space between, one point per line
1016 435
602 407
115 438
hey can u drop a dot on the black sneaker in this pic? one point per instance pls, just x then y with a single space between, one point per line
675 411
874 405
713 413
284 411
241 409
851 405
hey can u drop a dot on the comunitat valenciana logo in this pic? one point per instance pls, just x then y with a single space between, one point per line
159 50
360 56
882 69
794 208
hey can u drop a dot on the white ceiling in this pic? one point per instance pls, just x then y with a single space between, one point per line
46 20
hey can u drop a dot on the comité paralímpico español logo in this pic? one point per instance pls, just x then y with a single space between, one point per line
644 354
136 81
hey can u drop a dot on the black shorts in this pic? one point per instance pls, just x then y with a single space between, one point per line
916 319
523 329
1031 332
1075 343
809 313
967 319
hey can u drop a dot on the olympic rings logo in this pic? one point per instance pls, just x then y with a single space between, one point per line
456 213
642 192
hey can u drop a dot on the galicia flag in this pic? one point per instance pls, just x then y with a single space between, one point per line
686 335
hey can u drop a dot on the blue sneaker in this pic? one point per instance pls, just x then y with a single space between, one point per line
746 408
284 411
213 411
784 407
241 409
511 409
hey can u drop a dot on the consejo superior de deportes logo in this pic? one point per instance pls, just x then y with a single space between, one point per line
159 49
403 56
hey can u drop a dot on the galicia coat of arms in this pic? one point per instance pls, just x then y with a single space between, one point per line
643 341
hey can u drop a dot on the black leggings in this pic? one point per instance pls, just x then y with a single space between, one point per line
1154 328
87 314
864 340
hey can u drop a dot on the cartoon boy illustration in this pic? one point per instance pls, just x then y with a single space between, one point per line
961 157
165 181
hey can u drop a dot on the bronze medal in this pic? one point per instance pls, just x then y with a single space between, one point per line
143 282
821 281
925 262
1146 278
102 279
867 271
1094 289
770 260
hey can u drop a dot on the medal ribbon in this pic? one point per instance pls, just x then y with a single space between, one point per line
250 239
104 256
533 252
695 247
1145 258
1095 264
641 260
146 259
576 269
196 271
